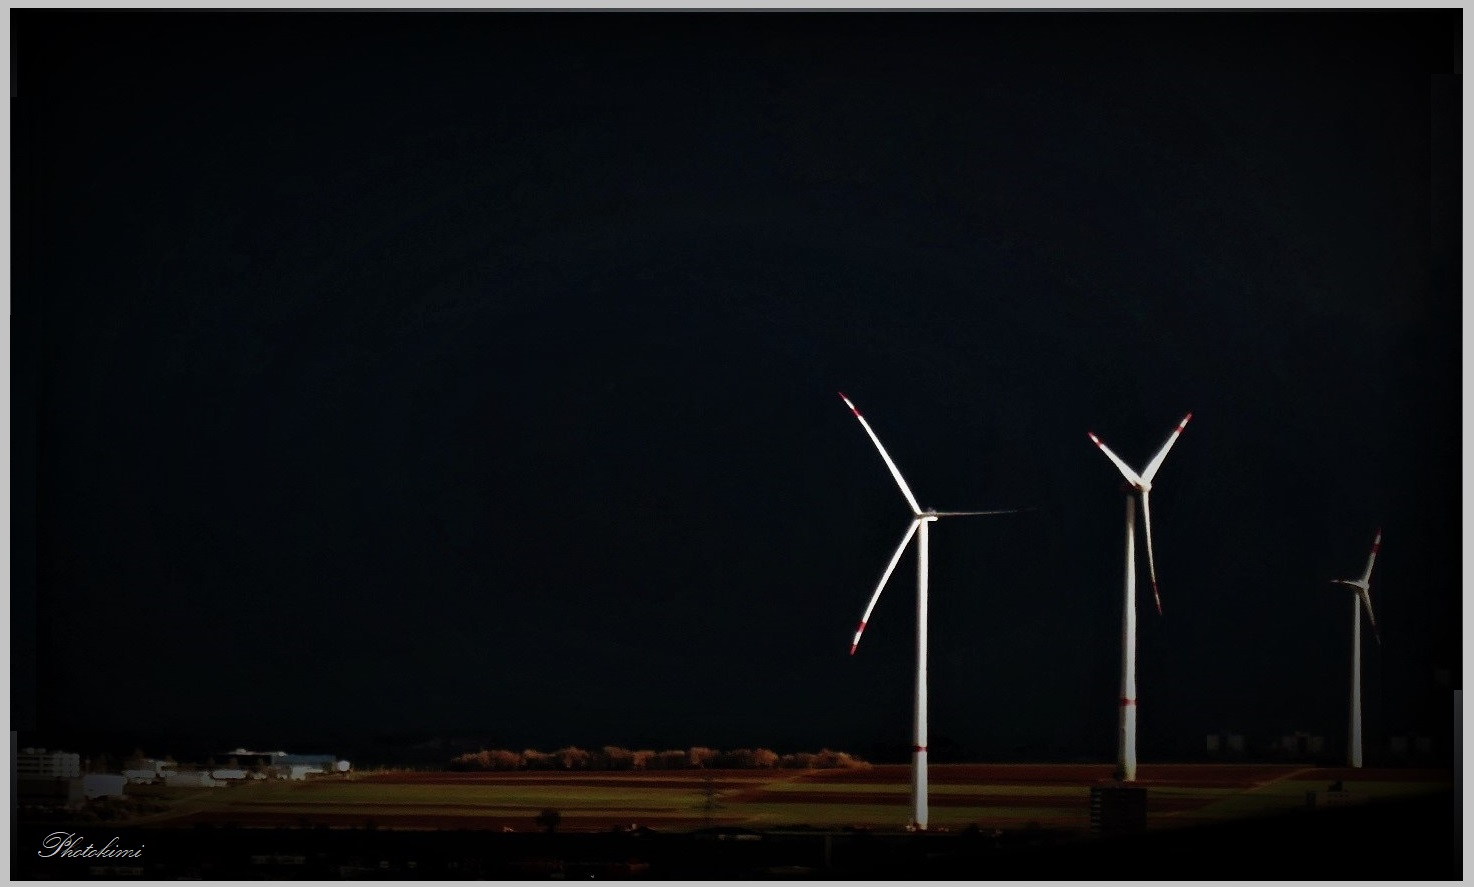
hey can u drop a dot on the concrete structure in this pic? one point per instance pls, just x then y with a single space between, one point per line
147 770
1299 744
189 779
301 771
1231 744
326 762
298 767
38 763
227 775
103 785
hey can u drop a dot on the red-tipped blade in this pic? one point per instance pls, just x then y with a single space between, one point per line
895 472
1156 463
884 578
1372 558
1131 477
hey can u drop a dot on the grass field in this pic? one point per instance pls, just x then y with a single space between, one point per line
1003 797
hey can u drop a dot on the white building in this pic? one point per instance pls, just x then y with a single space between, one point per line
38 763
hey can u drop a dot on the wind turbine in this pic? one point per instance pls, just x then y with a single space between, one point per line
1136 484
1363 598
920 521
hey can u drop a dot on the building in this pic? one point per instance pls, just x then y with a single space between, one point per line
1231 744
298 767
38 763
48 778
189 779
103 785
1302 745
147 770
1411 746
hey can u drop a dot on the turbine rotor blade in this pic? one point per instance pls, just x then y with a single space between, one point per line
1131 477
1151 564
1376 546
885 577
895 472
967 513
1366 599
1152 466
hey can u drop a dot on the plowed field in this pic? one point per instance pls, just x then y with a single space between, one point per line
986 795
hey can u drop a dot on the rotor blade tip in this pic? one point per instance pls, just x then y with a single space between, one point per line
852 648
1186 418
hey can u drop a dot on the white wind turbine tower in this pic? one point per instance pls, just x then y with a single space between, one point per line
1135 484
1363 598
919 524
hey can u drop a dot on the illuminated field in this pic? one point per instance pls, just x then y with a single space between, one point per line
988 796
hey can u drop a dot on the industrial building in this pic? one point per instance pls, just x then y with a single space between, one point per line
38 763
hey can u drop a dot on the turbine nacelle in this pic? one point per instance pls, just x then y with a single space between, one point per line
1141 484
1363 585
919 516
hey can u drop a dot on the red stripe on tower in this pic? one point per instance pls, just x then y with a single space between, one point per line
918 748
1125 701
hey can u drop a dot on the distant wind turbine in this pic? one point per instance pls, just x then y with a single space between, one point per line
1136 484
918 527
1363 598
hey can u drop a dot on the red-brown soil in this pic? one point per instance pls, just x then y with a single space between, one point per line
821 787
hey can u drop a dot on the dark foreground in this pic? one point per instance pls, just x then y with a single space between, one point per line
1402 840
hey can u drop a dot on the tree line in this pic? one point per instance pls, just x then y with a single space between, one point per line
612 757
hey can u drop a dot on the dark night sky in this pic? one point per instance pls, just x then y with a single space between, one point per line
476 372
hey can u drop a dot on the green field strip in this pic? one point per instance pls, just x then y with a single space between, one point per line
883 815
1041 791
